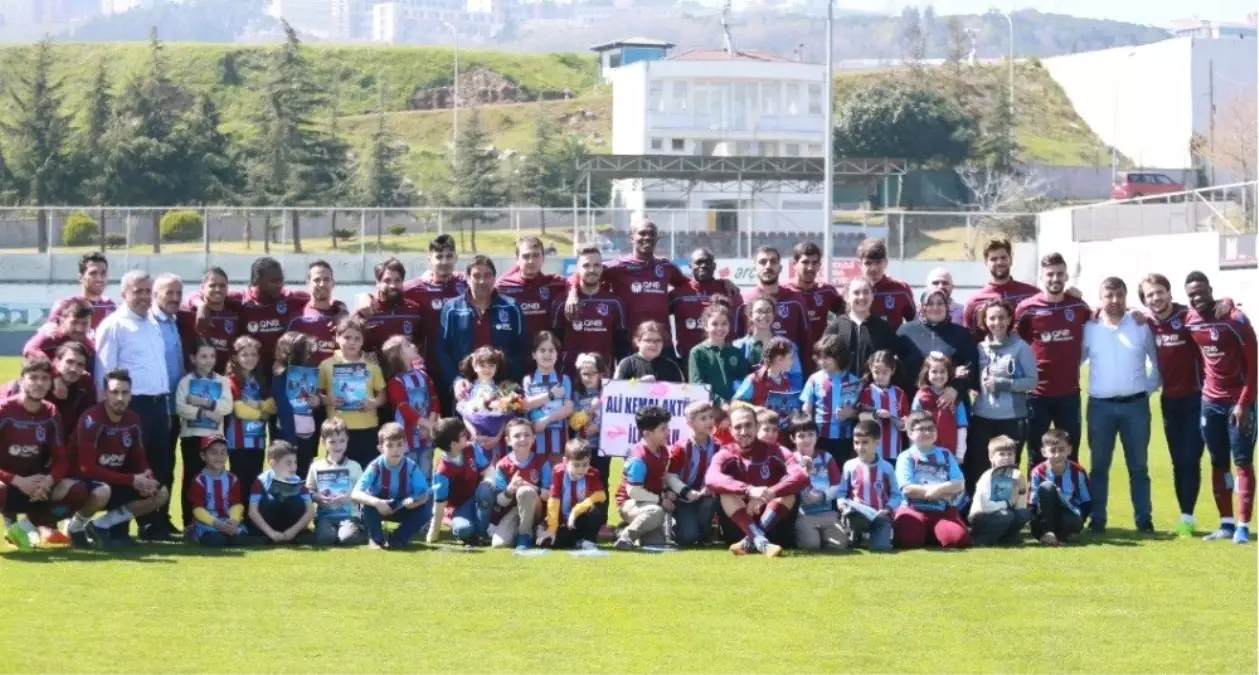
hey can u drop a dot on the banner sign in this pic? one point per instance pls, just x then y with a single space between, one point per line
622 398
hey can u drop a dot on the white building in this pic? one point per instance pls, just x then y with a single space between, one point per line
1200 28
1149 100
385 22
309 16
714 103
109 7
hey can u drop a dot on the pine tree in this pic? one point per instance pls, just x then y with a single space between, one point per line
998 145
536 178
569 181
210 173
475 185
384 183
339 160
40 158
91 145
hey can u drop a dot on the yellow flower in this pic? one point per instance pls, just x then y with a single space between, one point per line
579 420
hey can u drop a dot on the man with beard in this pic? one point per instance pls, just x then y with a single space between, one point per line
1001 286
820 298
941 279
893 300
207 314
34 463
390 313
76 321
320 316
1228 402
93 277
1052 323
641 280
431 290
756 484
599 326
790 319
535 292
688 301
480 318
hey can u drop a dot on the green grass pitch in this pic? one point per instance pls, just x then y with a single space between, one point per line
1122 604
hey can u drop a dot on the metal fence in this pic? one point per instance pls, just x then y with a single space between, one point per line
728 232
1226 209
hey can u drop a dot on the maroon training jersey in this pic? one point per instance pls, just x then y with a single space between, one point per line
1055 331
48 341
790 319
894 301
267 320
101 308
1011 291
593 330
1179 359
109 451
536 297
735 469
220 327
1228 356
819 300
31 442
321 326
431 295
643 287
401 317
687 304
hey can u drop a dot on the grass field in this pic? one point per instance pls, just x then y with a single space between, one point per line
1124 603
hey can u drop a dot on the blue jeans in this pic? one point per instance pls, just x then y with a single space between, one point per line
693 521
1130 420
1184 441
410 521
1224 439
1062 412
472 518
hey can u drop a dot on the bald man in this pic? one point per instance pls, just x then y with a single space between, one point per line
940 278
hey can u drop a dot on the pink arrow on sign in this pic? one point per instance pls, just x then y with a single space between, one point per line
614 432
659 389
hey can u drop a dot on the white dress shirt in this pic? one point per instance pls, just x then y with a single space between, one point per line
127 340
1123 358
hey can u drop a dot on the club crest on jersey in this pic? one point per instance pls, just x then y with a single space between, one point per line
765 471
783 310
40 433
502 316
889 302
1070 314
1215 334
636 287
126 439
602 309
252 327
228 325
436 303
544 293
282 307
406 327
533 476
659 271
734 360
817 300
1176 324
692 324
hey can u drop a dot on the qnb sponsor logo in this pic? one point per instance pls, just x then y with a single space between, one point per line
24 451
265 326
531 307
1212 350
590 325
1061 335
327 346
1170 340
647 287
111 460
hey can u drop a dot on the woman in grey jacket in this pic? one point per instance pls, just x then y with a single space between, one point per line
1007 372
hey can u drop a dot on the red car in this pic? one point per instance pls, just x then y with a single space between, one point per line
1133 184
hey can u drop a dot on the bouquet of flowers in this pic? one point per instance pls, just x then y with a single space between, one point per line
490 411
582 417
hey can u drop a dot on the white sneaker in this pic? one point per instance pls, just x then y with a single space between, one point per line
586 545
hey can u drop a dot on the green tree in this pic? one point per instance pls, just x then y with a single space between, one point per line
91 145
905 121
40 162
997 144
570 182
475 185
536 179
210 170
384 184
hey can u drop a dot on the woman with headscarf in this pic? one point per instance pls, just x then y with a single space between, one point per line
934 331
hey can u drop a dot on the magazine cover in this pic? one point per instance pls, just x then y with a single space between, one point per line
349 383
334 482
301 382
208 389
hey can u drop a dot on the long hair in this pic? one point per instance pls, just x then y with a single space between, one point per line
238 375
292 349
467 367
884 357
391 358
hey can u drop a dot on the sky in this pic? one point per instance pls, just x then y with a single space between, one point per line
1152 12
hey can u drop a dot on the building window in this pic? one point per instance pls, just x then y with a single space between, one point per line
791 149
792 104
743 149
655 98
815 99
679 145
770 93
815 149
680 95
657 144
767 149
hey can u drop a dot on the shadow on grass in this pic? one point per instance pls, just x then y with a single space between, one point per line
144 553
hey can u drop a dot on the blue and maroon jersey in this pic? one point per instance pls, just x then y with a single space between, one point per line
321 326
824 477
1073 485
875 398
820 300
535 471
643 287
551 441
431 294
246 434
536 296
790 319
689 461
1012 291
948 418
827 393
401 317
1179 359
31 442
216 494
644 469
1228 356
599 318
872 485
48 340
1055 331
573 491
413 397
267 320
893 301
108 451
455 479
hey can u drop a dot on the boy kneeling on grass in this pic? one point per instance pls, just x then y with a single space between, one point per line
998 513
217 510
280 506
1059 497
463 485
576 509
393 488
331 480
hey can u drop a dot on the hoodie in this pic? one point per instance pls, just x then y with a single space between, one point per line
1013 365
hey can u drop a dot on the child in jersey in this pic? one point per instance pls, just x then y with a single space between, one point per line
463 487
885 403
950 419
868 494
830 397
548 398
412 396
817 525
693 506
252 405
577 508
522 484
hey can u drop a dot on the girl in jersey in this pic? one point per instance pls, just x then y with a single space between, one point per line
586 406
412 397
251 408
481 392
950 419
548 398
884 402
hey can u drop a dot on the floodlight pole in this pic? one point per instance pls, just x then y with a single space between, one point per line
828 148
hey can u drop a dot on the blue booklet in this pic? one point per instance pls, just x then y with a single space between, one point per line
349 383
334 482
208 389
301 382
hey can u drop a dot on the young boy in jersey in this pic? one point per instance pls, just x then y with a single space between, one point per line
393 488
817 525
830 396
280 506
930 481
576 509
522 483
767 426
693 507
640 497
1059 496
218 514
999 512
868 494
331 480
463 488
